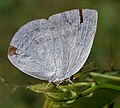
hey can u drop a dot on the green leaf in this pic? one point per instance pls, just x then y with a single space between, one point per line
60 96
42 88
52 104
57 96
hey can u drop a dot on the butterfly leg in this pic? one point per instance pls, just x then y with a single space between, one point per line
70 80
48 84
59 83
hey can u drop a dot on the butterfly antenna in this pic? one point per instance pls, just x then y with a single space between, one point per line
78 76
90 69
88 65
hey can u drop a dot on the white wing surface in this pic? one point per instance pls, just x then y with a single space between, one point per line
57 48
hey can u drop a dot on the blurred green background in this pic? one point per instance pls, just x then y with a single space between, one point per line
15 13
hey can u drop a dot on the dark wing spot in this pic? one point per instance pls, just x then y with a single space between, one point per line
81 16
12 50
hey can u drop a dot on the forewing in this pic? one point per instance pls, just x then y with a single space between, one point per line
66 25
84 40
76 29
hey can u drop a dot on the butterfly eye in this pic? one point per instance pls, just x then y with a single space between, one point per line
12 50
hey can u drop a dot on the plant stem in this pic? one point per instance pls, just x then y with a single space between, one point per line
115 78
99 86
77 85
109 86
88 91
92 87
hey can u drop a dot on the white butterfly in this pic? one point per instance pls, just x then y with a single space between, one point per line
57 48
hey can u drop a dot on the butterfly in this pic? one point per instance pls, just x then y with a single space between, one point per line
56 48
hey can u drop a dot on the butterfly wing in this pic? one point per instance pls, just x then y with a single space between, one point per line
84 41
31 50
56 48
77 30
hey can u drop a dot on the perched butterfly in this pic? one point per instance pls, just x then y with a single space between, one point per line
56 48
